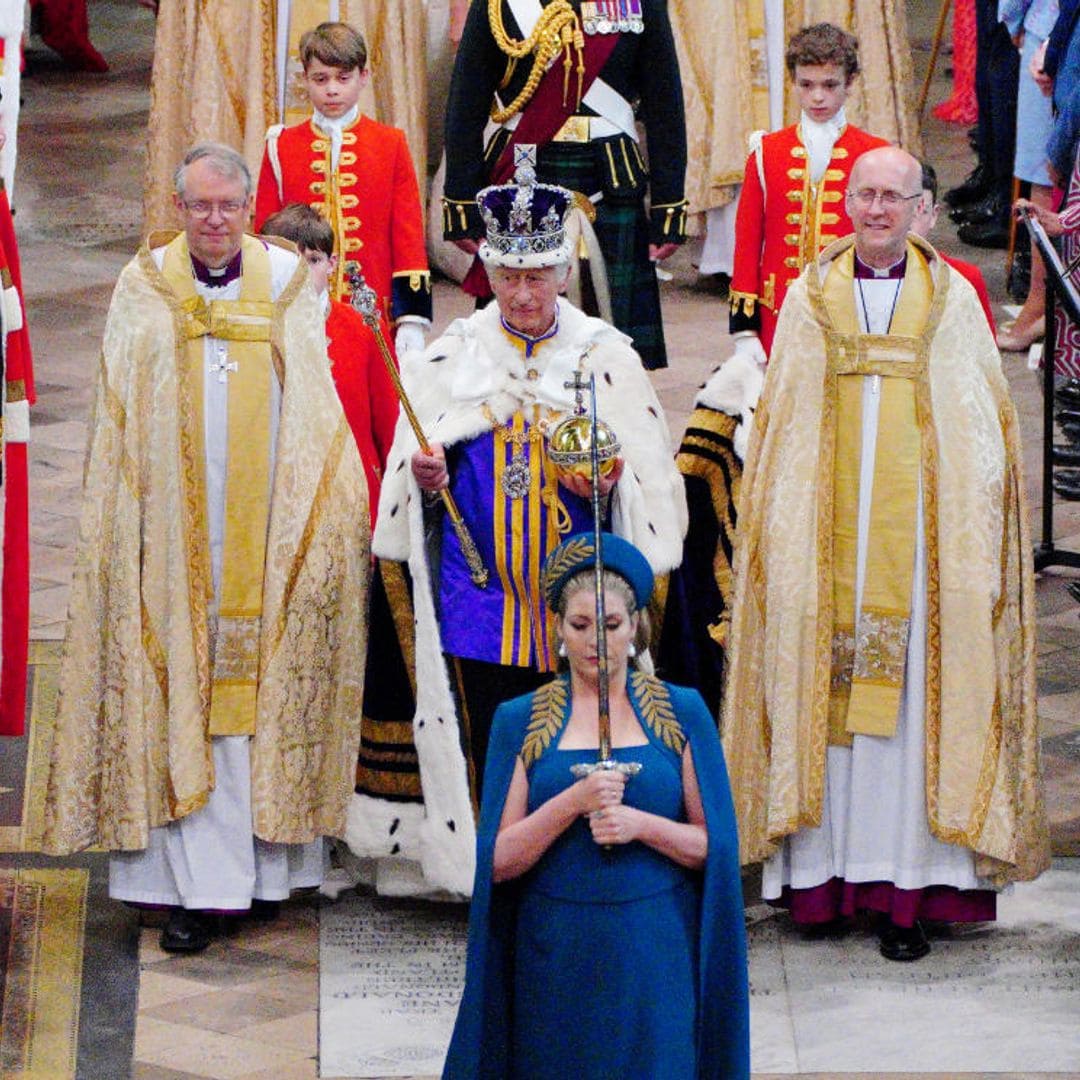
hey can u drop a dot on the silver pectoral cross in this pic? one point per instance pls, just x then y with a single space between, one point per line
223 365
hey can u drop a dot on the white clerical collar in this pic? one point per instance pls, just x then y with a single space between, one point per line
819 137
324 303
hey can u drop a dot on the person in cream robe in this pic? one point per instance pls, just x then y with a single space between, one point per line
208 720
880 722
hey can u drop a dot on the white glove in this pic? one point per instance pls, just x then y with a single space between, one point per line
748 344
409 337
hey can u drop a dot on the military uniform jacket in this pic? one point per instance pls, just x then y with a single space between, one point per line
643 68
372 201
786 221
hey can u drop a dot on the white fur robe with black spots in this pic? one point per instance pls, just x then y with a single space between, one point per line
472 365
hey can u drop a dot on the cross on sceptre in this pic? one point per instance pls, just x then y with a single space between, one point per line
579 384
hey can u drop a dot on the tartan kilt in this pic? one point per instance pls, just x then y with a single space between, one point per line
622 229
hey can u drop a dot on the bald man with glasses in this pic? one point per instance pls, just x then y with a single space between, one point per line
879 724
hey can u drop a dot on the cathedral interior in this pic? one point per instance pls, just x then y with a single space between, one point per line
282 1000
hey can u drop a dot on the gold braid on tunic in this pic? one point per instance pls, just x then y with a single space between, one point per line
557 29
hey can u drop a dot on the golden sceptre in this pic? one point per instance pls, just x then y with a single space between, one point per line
365 301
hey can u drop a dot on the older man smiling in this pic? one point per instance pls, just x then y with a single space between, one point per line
880 721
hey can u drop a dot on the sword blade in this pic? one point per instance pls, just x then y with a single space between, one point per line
602 694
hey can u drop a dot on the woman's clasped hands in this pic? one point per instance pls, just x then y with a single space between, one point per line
600 796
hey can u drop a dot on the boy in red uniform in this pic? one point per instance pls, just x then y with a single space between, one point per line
792 201
363 385
358 174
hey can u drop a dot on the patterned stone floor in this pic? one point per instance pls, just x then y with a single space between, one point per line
248 1007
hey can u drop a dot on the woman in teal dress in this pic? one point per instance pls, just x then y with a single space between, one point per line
606 937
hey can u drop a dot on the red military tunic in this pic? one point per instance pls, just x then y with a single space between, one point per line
782 225
17 396
372 201
974 275
366 392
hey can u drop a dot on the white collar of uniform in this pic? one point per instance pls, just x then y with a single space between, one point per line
334 127
819 139
331 124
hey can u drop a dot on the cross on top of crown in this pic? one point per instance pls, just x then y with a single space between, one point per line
525 164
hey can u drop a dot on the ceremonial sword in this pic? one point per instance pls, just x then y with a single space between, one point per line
604 760
366 302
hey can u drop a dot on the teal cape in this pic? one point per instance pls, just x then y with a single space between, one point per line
482 1040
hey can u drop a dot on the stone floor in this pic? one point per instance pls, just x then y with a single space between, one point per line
248 1007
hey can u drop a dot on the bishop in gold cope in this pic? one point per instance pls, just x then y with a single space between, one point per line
222 566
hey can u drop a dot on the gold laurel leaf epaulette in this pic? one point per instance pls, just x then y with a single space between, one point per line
545 720
654 702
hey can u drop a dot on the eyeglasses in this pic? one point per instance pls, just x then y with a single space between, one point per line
866 197
202 209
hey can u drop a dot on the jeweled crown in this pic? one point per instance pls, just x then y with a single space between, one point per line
525 220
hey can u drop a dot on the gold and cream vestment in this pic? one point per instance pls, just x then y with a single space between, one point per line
982 789
140 667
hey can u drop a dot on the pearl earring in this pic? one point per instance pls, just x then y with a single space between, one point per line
561 650
631 651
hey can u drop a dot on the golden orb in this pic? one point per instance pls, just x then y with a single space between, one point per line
570 447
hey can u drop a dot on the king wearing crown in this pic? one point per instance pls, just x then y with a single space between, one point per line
487 395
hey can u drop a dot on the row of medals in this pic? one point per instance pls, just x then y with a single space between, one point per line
612 17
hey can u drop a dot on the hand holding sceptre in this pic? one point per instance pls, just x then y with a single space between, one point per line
366 303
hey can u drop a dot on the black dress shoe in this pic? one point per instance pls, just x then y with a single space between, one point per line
1070 416
1069 394
990 234
989 208
1066 454
903 943
1018 284
186 931
264 910
1067 484
1072 433
971 189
